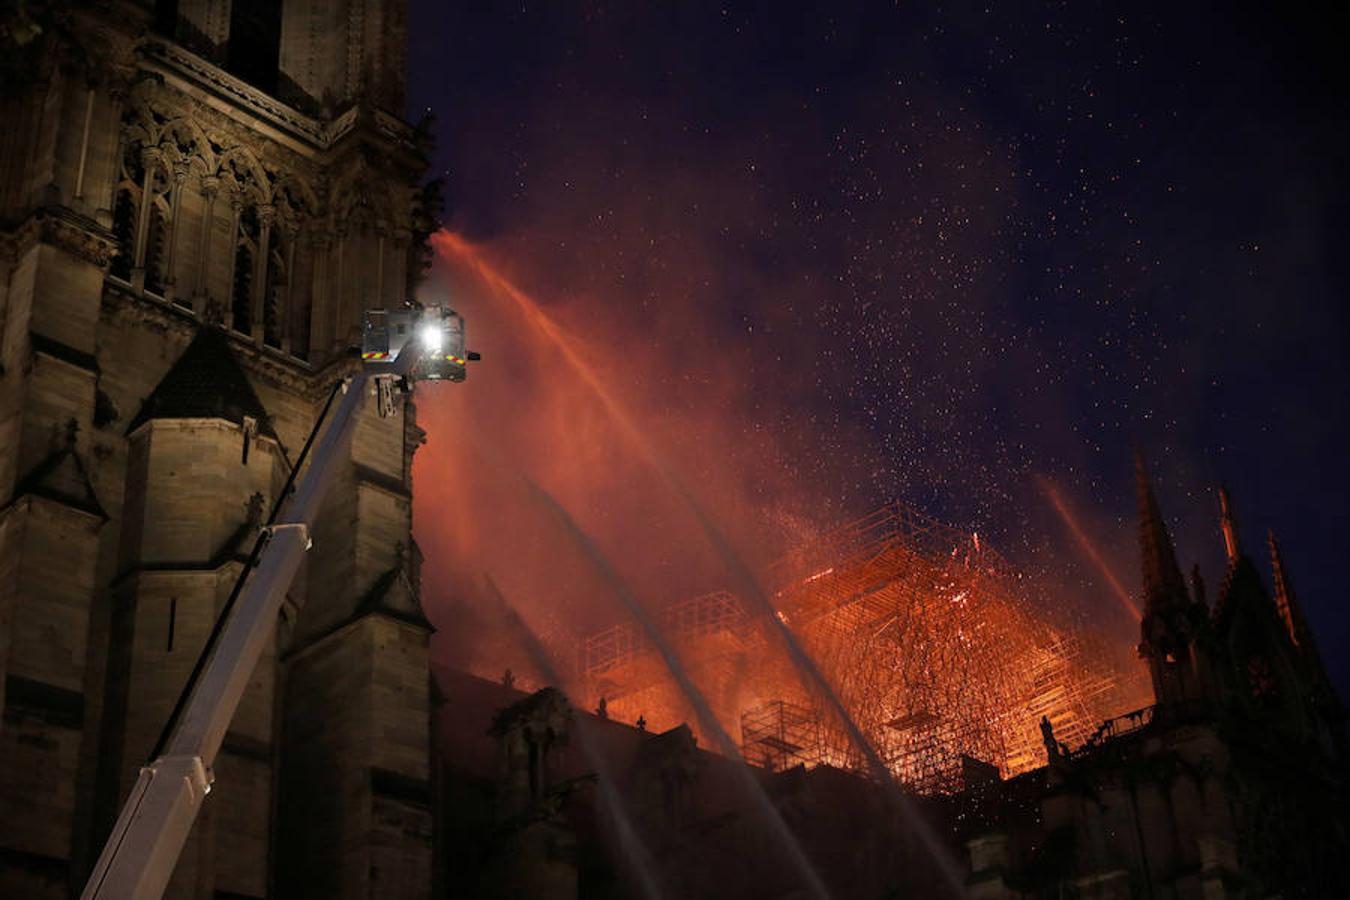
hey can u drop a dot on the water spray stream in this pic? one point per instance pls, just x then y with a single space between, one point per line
634 849
813 678
1052 494
811 882
707 720
740 572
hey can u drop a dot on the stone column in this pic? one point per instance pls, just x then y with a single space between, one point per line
267 215
284 304
337 297
379 299
180 174
149 160
210 187
399 267
84 144
321 246
237 207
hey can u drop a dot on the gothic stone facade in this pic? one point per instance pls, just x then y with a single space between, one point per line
198 199
1232 785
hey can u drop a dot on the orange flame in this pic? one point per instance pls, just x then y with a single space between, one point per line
898 652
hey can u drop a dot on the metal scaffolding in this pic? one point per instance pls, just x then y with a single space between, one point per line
620 663
779 735
924 633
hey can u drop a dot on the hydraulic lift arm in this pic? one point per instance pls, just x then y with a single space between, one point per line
144 845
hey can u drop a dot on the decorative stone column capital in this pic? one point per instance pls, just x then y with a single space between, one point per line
267 215
210 185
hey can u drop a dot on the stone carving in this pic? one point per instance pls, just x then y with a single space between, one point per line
85 239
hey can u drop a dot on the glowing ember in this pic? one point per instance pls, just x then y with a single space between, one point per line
924 632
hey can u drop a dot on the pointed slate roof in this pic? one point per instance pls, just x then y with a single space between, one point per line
1164 585
206 382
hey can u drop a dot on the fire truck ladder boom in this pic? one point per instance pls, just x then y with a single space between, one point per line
154 823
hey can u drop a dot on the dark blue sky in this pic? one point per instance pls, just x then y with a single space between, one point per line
951 248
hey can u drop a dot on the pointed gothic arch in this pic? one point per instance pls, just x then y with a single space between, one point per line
240 168
184 141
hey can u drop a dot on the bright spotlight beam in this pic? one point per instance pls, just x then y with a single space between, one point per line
431 337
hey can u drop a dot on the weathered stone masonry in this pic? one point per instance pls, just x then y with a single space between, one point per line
198 200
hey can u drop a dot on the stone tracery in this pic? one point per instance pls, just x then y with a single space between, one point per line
181 169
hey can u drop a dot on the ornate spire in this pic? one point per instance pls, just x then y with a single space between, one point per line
1163 582
1291 614
1285 603
1228 523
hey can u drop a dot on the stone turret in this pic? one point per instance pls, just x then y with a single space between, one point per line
664 767
203 463
1172 621
1164 586
534 846
1261 671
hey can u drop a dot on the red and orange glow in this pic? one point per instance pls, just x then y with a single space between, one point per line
927 636
575 397
934 644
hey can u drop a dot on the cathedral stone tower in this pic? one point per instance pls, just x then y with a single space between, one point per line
198 199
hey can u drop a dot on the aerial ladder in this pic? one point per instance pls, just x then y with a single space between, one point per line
399 347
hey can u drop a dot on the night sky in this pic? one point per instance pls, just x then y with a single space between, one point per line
826 255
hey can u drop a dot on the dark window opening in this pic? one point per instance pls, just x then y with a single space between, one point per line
299 313
124 228
274 292
155 237
241 294
173 616
254 49
243 275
